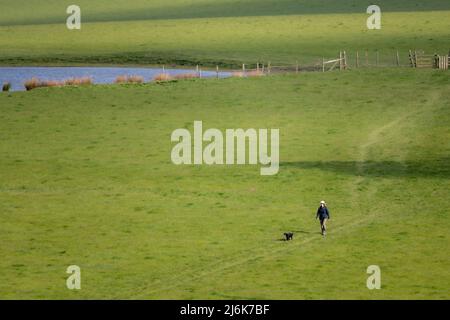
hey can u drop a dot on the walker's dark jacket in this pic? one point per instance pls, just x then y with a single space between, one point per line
323 213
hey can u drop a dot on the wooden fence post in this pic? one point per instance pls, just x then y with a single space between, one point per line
217 72
357 59
323 64
367 58
411 59
345 60
268 68
296 67
398 59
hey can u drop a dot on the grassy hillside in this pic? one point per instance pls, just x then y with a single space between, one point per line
226 32
86 179
25 12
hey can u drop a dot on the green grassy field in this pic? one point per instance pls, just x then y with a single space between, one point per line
226 32
86 176
86 179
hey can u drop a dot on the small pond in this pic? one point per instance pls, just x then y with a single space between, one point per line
100 75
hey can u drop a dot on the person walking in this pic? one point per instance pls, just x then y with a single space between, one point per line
323 214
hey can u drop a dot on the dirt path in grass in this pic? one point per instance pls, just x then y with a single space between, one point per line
375 137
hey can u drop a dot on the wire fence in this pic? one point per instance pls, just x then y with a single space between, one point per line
350 60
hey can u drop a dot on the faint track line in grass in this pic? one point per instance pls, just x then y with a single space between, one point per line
248 255
374 138
273 251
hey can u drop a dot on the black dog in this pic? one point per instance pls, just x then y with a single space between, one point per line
289 235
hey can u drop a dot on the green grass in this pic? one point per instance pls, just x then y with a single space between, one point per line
226 32
26 12
86 179
86 176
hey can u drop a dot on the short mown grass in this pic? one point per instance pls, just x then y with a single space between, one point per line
86 179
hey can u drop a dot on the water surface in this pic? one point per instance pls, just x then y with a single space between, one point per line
18 75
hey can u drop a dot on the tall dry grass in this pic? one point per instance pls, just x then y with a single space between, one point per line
255 73
83 81
238 74
121 79
162 77
183 76
34 82
136 79
250 73
52 83
129 79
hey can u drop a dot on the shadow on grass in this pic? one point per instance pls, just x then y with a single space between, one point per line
439 168
234 8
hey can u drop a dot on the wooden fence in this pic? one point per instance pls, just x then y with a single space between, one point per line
443 62
357 59
422 60
333 63
268 68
